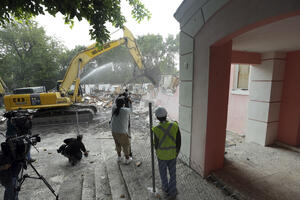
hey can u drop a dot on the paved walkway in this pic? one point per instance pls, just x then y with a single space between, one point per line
257 172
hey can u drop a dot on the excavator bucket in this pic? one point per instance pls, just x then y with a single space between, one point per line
153 74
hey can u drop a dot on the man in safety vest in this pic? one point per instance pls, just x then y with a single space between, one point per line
167 141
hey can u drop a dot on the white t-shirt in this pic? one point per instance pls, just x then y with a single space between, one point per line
119 123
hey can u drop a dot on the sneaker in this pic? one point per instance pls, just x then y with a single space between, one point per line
119 159
127 161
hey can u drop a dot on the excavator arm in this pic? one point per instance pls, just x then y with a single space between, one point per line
81 59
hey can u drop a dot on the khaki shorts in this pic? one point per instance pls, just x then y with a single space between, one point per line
122 142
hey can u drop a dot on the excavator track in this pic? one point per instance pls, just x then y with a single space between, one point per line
64 115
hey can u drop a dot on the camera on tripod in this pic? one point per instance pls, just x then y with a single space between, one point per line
17 146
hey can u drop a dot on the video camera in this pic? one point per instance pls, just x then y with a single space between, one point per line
16 148
126 96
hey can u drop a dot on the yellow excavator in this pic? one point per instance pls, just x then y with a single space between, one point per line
67 100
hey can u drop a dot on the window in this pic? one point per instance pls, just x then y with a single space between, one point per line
241 79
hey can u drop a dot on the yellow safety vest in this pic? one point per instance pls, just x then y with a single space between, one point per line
166 134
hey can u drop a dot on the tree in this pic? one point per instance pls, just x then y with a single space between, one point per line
28 57
96 12
159 53
65 59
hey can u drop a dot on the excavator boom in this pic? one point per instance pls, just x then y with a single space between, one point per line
82 58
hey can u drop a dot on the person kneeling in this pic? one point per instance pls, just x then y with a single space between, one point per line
72 149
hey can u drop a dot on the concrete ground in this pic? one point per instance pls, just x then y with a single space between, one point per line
250 171
257 172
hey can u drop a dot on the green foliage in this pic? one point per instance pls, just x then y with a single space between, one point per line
28 57
96 12
158 53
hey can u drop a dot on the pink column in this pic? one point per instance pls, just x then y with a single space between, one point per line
289 119
219 75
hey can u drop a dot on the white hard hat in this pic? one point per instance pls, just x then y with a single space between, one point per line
161 112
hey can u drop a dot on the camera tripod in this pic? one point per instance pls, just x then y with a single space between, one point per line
24 176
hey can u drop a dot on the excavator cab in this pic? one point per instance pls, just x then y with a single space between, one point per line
79 93
71 91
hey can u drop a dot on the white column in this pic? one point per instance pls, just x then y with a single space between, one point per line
186 93
265 99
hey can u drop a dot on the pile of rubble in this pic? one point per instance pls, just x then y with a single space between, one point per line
106 99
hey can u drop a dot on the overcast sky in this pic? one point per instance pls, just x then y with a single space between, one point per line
162 22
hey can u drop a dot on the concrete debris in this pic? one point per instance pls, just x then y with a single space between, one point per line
138 164
106 99
169 83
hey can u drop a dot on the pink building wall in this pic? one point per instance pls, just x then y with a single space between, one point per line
289 125
237 108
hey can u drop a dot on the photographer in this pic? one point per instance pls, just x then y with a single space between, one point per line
72 149
127 104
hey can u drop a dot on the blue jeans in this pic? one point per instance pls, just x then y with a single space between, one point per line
28 153
168 186
10 192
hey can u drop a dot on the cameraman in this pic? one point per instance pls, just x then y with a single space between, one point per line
12 130
9 177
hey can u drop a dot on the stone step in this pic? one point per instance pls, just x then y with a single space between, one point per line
135 189
71 188
116 181
88 185
102 187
